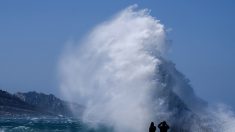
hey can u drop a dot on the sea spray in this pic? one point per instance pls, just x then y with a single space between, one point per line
119 73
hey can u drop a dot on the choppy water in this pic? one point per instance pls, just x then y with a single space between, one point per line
45 124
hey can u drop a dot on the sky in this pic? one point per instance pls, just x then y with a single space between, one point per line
33 35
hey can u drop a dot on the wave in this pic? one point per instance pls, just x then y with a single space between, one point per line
120 73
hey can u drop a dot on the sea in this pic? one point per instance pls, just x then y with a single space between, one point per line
47 124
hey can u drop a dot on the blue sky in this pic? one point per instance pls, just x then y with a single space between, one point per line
33 35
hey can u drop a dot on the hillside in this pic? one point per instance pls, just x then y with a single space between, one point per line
34 104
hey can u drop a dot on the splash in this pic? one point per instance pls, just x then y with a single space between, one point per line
119 73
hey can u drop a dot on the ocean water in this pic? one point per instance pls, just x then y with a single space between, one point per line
46 124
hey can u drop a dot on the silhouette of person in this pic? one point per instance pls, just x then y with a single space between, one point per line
152 128
163 126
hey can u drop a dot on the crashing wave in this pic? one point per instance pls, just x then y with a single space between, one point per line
119 72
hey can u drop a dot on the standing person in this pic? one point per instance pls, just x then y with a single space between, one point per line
163 126
152 128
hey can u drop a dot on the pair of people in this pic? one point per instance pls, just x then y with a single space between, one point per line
162 126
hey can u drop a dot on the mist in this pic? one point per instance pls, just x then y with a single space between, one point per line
120 74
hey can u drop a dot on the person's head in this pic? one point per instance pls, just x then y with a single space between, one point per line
152 124
164 122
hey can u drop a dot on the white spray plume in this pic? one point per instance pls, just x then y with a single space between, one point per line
121 77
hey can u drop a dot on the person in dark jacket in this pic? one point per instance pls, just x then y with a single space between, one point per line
152 128
163 126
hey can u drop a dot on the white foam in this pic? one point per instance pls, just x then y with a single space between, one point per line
115 74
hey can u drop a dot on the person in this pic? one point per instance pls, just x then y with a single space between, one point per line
163 126
152 128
